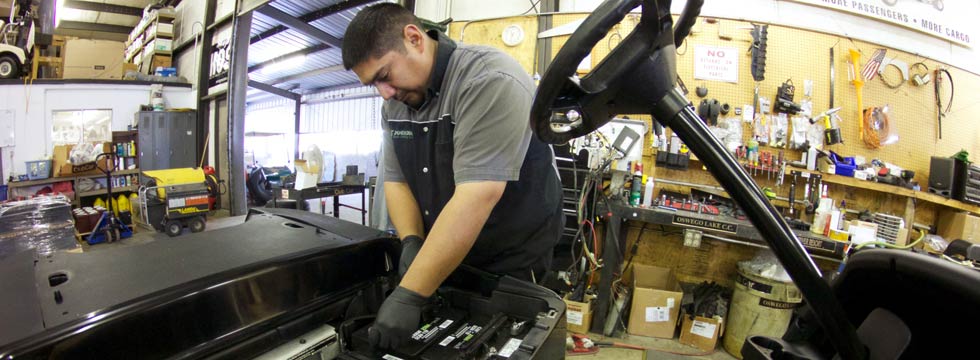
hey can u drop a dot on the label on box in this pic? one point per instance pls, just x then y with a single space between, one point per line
509 348
445 324
391 357
657 314
701 328
574 317
448 340
670 303
176 203
285 194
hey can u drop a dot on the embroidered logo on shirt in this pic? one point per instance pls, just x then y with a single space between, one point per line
402 134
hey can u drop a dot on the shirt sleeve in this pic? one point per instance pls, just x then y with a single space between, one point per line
492 131
393 172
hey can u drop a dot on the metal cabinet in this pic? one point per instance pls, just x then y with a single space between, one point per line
168 139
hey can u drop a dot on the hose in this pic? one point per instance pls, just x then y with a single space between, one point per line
922 235
871 135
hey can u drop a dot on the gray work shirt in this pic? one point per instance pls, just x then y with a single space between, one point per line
488 95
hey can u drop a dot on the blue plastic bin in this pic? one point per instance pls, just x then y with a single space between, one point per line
3 192
37 170
843 166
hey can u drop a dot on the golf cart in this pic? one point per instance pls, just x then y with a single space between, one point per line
16 41
885 304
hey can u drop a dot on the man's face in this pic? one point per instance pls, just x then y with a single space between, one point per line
400 75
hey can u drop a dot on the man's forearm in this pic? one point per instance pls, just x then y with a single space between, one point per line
453 235
403 209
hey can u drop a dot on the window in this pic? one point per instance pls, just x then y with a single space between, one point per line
81 126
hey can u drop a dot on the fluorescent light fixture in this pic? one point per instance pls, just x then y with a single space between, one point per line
288 63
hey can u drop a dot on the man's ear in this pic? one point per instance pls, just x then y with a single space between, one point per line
414 37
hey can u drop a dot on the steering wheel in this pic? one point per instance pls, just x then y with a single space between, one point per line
567 107
638 77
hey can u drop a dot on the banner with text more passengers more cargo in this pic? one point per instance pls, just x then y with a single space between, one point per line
949 20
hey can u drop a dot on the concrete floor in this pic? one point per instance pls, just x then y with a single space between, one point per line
657 348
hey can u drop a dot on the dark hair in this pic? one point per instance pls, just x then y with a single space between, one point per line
376 30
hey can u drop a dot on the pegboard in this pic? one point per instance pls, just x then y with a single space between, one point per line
489 32
799 55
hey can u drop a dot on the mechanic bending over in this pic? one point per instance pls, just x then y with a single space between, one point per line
465 179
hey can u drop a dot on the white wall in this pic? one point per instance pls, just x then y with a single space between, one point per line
765 11
33 105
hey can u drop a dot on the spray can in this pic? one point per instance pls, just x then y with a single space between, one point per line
636 188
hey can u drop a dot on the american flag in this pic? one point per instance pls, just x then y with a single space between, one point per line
871 68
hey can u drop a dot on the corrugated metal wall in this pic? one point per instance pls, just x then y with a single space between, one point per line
356 109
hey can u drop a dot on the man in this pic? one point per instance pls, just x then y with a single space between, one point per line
463 171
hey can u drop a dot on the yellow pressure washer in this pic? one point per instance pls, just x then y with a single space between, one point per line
176 198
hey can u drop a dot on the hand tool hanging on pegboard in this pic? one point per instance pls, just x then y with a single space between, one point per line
832 76
785 95
760 38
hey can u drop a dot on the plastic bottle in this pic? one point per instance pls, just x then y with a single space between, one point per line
648 193
822 215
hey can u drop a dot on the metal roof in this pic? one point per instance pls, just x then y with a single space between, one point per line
100 19
322 67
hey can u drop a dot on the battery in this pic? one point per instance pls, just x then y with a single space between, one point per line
443 321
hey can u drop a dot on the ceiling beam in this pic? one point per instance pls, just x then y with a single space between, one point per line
301 52
103 7
311 73
312 16
299 25
273 90
87 26
336 87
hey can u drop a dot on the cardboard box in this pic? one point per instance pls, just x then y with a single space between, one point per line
93 59
578 315
959 226
701 332
165 29
62 168
127 67
148 65
158 45
656 302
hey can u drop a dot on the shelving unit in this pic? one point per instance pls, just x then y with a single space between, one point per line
150 43
76 200
119 137
894 190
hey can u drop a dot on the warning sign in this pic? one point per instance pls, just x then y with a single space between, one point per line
716 63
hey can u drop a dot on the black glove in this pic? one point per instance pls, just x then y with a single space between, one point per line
397 319
410 247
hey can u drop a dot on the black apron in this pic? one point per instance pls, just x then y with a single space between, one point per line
523 227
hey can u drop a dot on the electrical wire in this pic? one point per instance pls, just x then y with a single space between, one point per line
875 123
534 6
890 85
937 87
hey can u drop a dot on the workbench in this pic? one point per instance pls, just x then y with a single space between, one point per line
618 211
323 190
